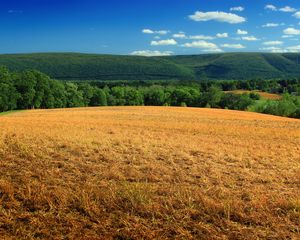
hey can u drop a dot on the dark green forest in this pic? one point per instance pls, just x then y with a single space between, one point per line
36 90
223 66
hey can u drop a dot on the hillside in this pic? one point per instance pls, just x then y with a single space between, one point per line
242 65
76 66
148 173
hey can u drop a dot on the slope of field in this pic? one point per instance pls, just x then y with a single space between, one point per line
149 173
76 66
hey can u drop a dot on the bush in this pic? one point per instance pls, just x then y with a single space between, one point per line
288 106
236 101
32 89
254 96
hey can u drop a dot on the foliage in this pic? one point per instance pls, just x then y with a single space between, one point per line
241 66
98 98
288 106
254 96
236 102
33 89
75 66
227 66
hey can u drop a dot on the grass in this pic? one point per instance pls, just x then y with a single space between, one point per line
9 112
149 173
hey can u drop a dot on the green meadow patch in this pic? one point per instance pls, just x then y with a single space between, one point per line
10 112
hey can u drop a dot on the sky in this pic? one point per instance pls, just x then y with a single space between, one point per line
149 27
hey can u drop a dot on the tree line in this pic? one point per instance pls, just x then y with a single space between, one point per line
34 90
277 86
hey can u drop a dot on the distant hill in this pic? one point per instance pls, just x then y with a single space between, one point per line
77 66
241 65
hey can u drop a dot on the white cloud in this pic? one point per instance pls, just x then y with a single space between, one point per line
148 31
297 15
201 44
270 25
273 49
160 32
269 43
293 48
180 35
287 9
237 9
234 46
291 31
217 16
282 50
241 32
215 50
249 38
279 51
287 36
273 24
201 37
283 9
164 42
271 7
269 48
148 53
222 35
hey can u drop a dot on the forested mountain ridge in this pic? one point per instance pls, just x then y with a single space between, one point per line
77 66
238 66
226 66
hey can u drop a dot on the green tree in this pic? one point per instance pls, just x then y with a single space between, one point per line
98 98
74 96
57 97
134 97
212 97
118 96
25 85
8 93
154 96
87 93
179 96
41 88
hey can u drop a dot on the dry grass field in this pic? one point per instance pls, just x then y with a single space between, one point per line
264 95
149 173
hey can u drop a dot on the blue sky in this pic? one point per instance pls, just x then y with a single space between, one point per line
149 27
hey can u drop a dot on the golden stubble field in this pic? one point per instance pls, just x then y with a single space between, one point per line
264 95
149 173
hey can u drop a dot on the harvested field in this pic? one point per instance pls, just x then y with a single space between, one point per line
264 95
149 173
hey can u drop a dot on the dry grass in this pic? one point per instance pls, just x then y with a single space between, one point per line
264 95
149 173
